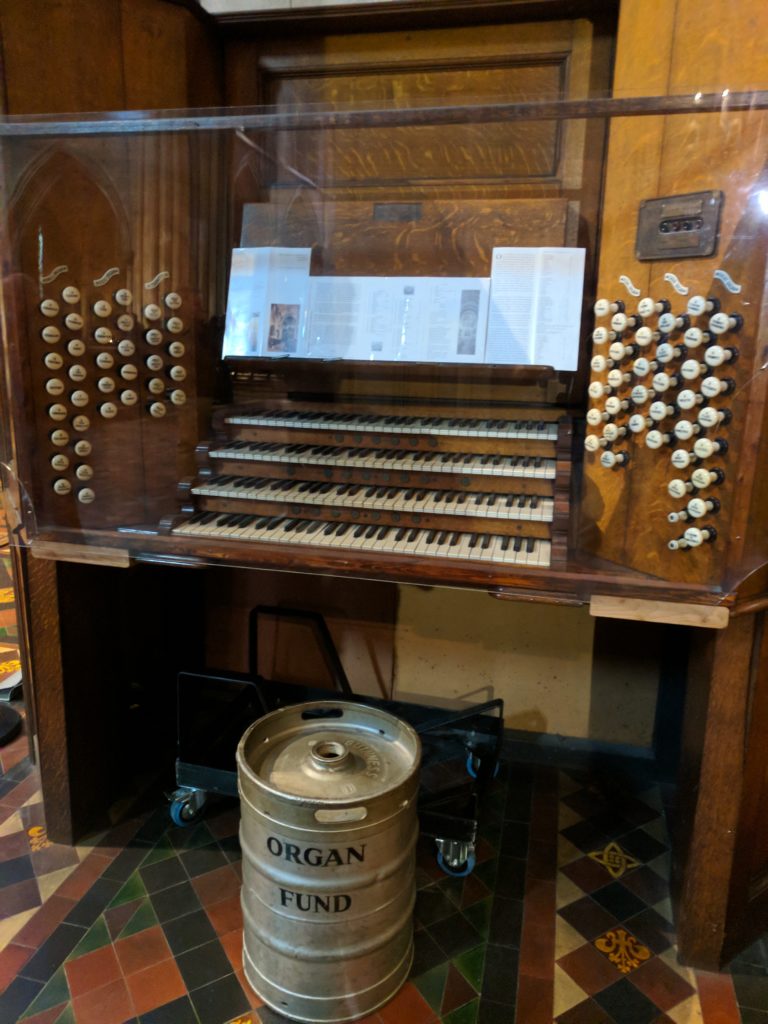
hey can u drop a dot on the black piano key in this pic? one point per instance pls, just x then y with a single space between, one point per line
487 538
518 545
505 543
529 544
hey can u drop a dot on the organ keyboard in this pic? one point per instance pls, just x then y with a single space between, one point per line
484 486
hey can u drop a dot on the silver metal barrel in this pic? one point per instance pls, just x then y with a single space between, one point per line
328 832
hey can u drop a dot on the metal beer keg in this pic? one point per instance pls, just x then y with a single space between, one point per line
328 830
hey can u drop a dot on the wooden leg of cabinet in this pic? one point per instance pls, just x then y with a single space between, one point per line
719 773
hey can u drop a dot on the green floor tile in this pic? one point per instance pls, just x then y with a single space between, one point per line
471 966
67 1017
133 889
479 914
466 1014
145 917
96 937
162 850
432 985
192 838
54 992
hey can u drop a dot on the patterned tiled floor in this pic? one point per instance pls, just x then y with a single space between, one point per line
566 918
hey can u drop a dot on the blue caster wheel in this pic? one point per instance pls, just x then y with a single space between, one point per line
473 765
461 871
186 807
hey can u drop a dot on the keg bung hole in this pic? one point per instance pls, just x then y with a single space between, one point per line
330 750
329 754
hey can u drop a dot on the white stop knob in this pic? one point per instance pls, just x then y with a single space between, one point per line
678 488
688 399
619 322
601 334
595 417
694 337
641 367
709 417
639 394
597 389
659 410
697 507
593 443
637 423
697 305
655 439
702 478
691 369
721 322
665 353
613 405
680 458
684 430
644 336
711 387
667 322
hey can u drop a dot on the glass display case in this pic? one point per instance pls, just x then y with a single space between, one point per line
382 342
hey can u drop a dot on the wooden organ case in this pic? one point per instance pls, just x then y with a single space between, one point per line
632 484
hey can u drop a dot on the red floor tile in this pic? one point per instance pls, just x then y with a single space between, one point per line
47 1016
18 897
718 999
232 944
217 885
590 969
407 1006
12 959
226 915
14 845
587 874
137 952
83 877
92 970
110 1004
156 986
534 1000
661 984
537 945
51 914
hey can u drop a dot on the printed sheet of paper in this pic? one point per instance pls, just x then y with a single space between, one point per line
415 319
534 314
267 302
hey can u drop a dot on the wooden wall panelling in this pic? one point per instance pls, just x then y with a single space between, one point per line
633 159
62 56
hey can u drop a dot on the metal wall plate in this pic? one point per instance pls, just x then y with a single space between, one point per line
676 227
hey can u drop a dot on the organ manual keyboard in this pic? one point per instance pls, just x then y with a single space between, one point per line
397 482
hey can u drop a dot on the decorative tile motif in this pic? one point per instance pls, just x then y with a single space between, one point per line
623 949
615 861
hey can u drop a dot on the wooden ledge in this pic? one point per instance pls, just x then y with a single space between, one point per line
638 609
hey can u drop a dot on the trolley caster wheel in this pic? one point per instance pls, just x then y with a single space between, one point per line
473 765
187 807
461 870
